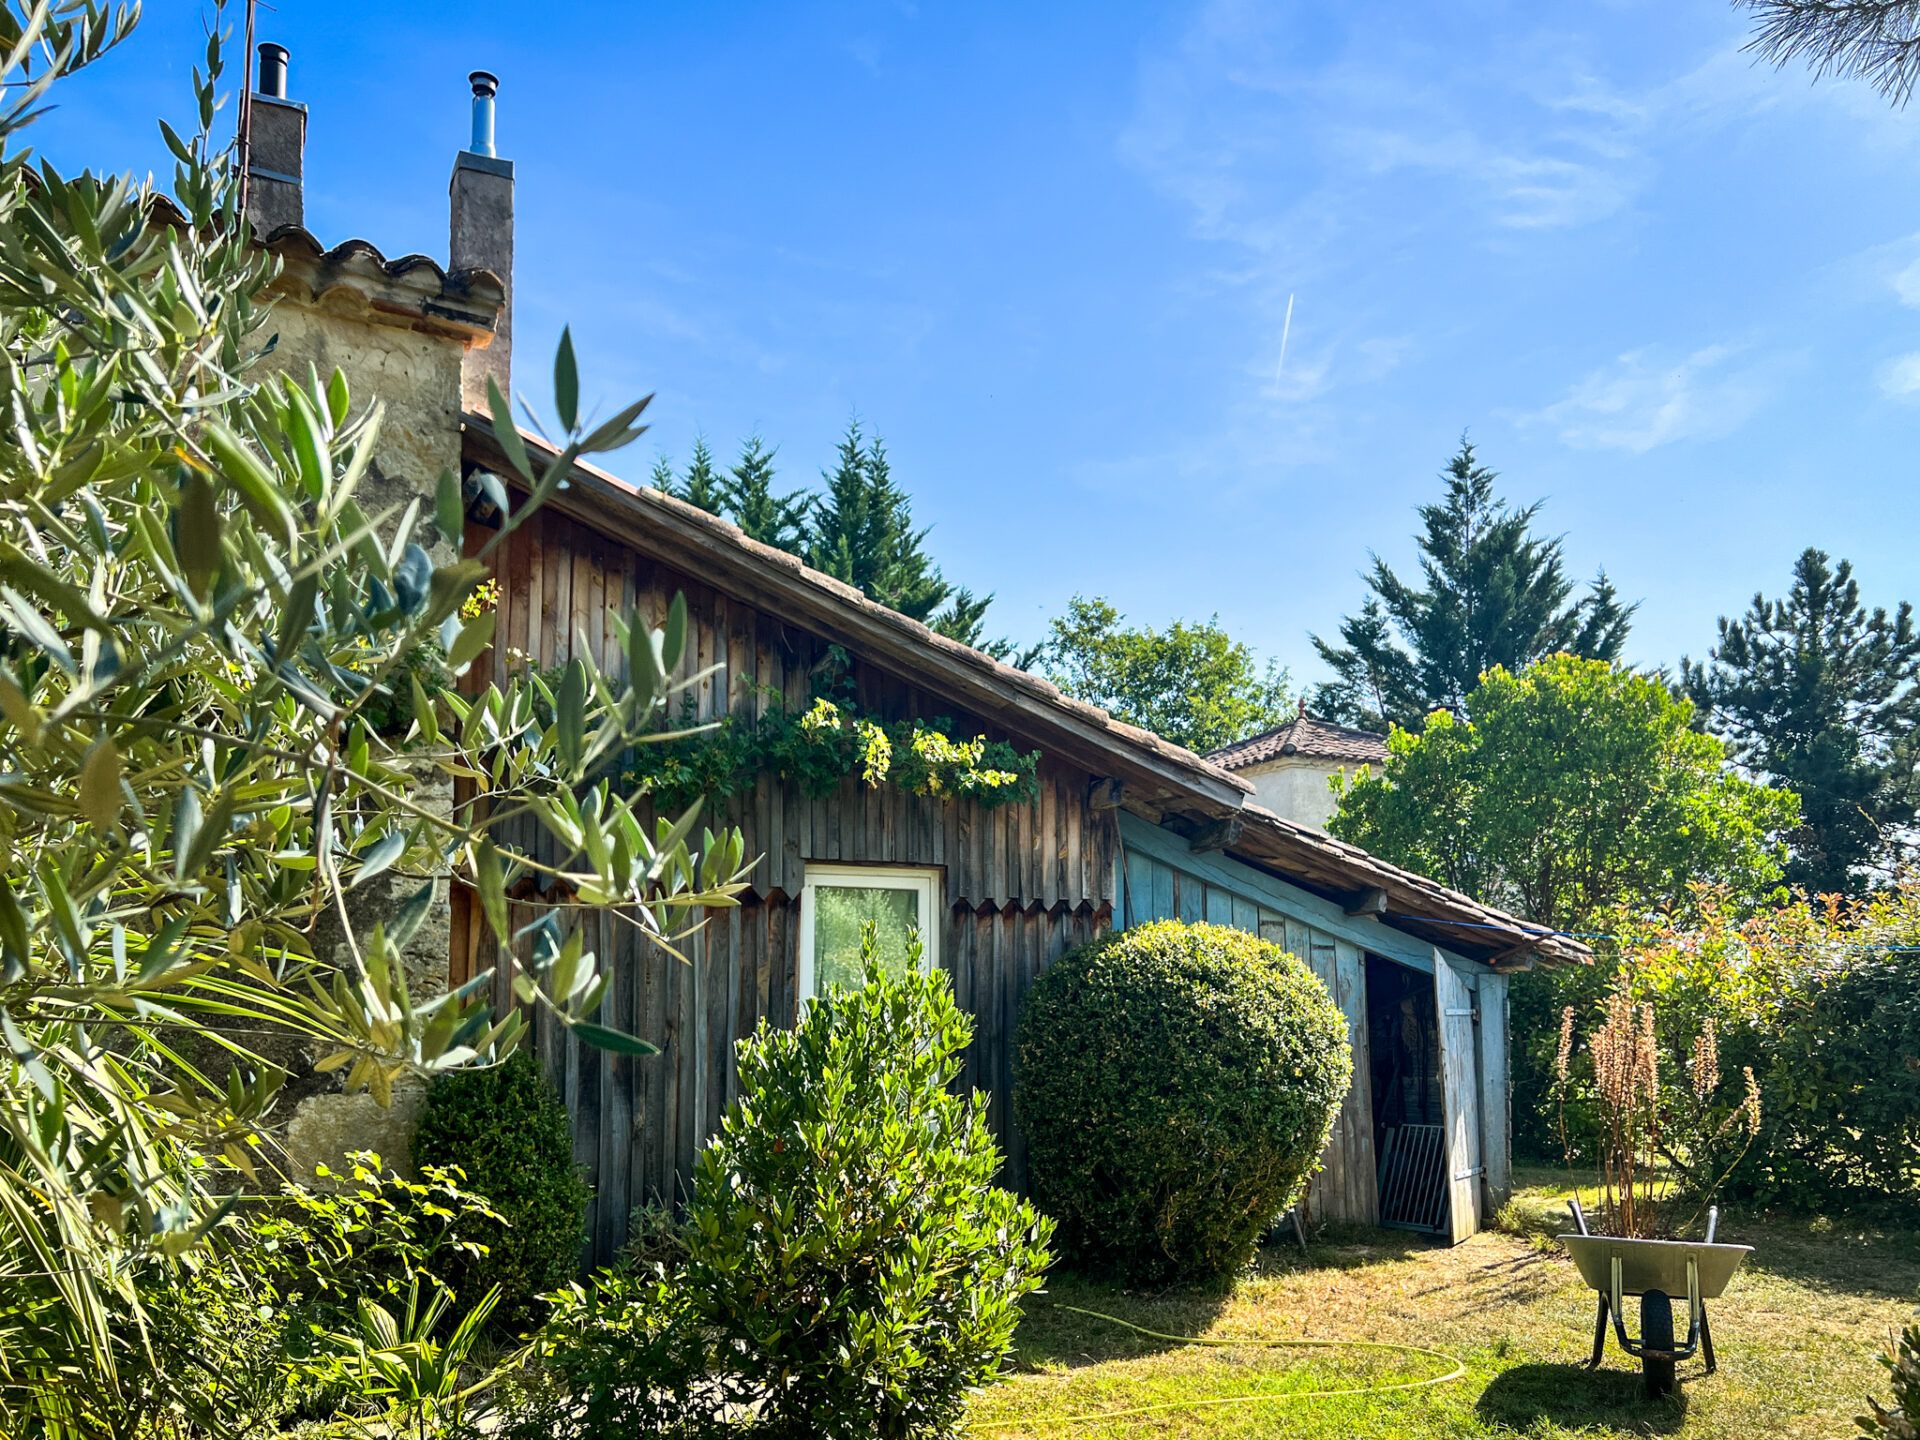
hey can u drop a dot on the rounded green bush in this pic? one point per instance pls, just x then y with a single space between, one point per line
506 1129
1176 1084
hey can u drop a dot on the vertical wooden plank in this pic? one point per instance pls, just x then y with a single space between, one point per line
1297 942
722 997
1496 1140
617 1139
1458 1063
1362 1192
1070 797
1190 896
1160 875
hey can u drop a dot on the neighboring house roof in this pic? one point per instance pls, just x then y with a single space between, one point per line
1306 737
1160 779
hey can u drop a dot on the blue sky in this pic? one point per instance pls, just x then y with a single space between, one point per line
1048 252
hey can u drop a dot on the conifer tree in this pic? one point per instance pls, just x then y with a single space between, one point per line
662 478
776 520
702 485
1822 696
862 532
1491 592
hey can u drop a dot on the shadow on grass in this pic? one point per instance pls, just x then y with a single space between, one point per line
1576 1398
1339 1247
1844 1255
1053 1332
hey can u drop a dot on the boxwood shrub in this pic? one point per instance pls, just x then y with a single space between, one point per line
1176 1084
505 1129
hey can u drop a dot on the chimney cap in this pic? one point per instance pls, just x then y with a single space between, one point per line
272 81
485 83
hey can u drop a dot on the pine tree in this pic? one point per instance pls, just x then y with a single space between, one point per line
862 532
776 520
702 485
1491 593
964 618
1822 696
662 478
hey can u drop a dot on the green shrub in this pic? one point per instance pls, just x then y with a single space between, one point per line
506 1129
618 1357
1842 1082
1901 1419
1176 1084
846 1265
845 1239
1820 1000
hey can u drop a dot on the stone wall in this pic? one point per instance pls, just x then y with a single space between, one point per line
360 327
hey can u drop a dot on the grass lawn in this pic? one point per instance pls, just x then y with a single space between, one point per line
1796 1334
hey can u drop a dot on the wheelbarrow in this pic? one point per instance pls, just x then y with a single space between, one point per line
1659 1272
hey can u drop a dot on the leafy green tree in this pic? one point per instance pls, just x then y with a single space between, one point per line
1822 696
1190 683
1491 592
198 623
1579 795
1573 789
775 520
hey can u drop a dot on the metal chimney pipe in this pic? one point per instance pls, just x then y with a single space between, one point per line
485 87
273 71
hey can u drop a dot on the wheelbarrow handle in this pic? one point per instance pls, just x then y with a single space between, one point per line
1580 1216
1713 1221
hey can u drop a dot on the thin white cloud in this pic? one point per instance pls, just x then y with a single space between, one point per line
1647 398
1900 377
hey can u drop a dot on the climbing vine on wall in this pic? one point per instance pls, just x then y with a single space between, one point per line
816 748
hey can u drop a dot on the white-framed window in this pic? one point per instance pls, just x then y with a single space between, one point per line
839 901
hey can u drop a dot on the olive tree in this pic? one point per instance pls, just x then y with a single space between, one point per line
197 615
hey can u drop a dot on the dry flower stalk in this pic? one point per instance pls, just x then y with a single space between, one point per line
1636 1118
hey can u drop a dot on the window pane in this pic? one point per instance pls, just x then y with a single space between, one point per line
839 914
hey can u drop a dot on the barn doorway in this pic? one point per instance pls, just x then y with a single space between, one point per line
1409 1099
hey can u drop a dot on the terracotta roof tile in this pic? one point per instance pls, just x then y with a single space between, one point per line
1307 736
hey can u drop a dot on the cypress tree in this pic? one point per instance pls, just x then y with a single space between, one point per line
1822 696
772 519
1491 592
862 532
702 485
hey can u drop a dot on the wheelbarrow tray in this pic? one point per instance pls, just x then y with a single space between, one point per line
1655 1264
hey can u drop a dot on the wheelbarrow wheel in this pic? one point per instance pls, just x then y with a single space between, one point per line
1656 1341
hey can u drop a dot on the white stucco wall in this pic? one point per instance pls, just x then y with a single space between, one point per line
1297 788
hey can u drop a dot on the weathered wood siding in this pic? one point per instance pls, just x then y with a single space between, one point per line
1022 883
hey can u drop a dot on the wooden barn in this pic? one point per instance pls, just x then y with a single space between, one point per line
1120 826
1124 828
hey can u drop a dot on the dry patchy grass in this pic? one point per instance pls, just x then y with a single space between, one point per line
1797 1336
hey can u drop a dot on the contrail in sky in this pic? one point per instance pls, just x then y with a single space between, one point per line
1286 329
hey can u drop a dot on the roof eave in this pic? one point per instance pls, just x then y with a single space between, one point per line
1159 776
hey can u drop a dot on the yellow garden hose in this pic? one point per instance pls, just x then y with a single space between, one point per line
1458 1371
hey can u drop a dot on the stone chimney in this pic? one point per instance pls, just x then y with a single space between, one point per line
481 238
276 147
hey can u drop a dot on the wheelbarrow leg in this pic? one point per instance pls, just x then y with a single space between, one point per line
1599 1333
1706 1340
